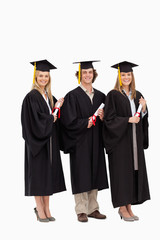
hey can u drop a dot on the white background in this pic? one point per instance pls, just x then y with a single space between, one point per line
63 32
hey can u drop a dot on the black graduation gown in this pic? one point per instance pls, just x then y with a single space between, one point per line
43 168
87 158
126 187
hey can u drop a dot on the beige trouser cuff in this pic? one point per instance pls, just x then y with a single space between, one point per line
86 202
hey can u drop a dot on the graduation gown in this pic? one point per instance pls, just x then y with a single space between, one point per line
127 186
43 168
85 145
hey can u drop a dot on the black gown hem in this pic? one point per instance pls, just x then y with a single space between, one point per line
45 194
140 202
90 189
130 202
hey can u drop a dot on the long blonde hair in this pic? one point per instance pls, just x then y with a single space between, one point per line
131 86
47 88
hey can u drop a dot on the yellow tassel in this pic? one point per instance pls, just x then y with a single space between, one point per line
79 74
34 74
119 76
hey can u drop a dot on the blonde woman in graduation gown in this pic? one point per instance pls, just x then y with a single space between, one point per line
125 138
43 168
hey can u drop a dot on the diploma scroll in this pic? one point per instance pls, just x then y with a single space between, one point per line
93 119
56 110
137 114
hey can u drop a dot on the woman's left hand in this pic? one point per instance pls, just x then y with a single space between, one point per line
61 101
142 101
101 114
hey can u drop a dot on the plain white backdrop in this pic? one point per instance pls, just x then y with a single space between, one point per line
64 32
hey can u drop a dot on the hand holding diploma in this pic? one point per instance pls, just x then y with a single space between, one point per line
99 113
142 101
55 117
57 107
142 107
136 117
90 123
137 114
59 102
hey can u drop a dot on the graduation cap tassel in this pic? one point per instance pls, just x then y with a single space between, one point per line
79 74
119 76
34 74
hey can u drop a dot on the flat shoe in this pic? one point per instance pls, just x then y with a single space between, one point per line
96 214
82 217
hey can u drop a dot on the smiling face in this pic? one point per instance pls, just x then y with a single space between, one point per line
87 76
126 78
42 79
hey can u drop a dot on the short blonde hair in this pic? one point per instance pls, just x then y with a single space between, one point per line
132 86
47 88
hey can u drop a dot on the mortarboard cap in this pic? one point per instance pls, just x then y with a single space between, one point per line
42 65
87 64
125 66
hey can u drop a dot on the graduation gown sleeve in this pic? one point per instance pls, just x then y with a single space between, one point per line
145 131
145 124
115 125
36 124
73 126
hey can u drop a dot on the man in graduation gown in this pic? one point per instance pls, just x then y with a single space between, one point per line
83 141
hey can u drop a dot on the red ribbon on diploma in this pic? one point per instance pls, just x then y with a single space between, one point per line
58 111
137 114
94 119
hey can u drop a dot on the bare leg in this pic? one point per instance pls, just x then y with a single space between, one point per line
129 210
124 211
46 206
40 207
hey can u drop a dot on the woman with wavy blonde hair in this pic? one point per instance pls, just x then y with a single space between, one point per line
132 86
43 168
125 138
47 88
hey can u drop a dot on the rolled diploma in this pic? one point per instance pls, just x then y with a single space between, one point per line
56 110
138 110
96 113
